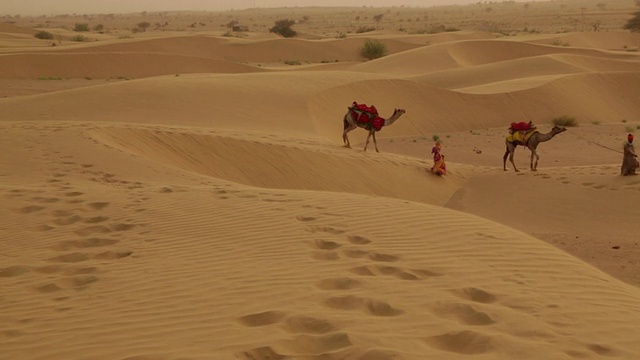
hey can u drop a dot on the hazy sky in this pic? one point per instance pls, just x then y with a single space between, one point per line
53 7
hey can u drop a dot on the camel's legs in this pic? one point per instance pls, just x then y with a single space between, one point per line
368 137
345 138
375 142
534 166
513 163
509 153
504 159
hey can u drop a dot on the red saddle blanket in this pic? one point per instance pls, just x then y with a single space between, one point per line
366 116
521 126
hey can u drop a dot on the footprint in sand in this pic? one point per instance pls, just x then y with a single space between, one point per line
324 244
358 240
96 229
382 257
30 209
301 324
464 313
96 219
70 258
13 271
98 205
67 283
476 295
262 319
342 283
113 255
261 353
63 221
305 218
369 306
318 346
122 227
325 229
375 270
462 342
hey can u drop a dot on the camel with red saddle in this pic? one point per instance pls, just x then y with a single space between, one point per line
366 117
527 135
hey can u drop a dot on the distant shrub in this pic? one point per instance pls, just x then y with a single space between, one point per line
143 26
565 121
341 35
364 29
437 29
557 42
292 62
633 24
435 137
44 35
373 49
79 38
81 27
283 28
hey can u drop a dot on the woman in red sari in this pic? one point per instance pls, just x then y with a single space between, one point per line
439 167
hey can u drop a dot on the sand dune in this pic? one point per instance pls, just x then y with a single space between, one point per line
202 206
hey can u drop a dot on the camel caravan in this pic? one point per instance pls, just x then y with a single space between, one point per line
522 133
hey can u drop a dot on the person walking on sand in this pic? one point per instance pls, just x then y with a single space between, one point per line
629 158
439 167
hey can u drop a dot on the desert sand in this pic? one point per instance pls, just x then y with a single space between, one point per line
185 193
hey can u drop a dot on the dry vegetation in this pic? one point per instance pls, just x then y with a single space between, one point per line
504 17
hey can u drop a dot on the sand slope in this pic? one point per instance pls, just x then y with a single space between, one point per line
206 209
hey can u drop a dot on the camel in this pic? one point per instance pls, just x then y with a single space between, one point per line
531 143
350 123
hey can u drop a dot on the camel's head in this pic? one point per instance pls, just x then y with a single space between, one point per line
558 129
399 111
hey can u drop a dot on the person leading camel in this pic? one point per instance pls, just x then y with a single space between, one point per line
439 167
629 161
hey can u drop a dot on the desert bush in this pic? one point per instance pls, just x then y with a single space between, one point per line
283 28
79 38
565 121
81 27
292 62
633 24
373 49
44 35
364 29
143 26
